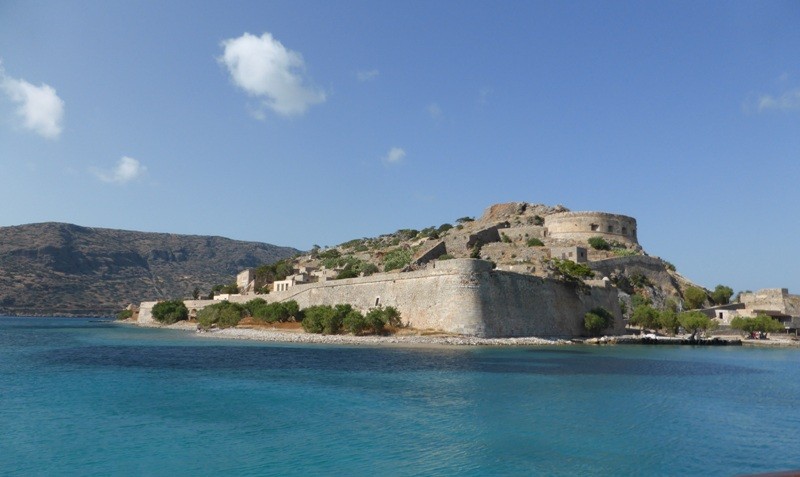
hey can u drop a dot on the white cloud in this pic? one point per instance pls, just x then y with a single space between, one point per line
435 111
367 75
787 101
394 156
39 107
264 68
127 170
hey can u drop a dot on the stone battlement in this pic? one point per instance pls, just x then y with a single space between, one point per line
583 225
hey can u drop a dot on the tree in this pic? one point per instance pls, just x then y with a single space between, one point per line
760 323
196 293
695 297
596 320
645 316
464 220
223 314
170 311
125 314
570 271
668 321
354 322
694 322
599 243
722 295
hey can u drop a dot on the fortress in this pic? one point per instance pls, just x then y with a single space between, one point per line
474 297
463 296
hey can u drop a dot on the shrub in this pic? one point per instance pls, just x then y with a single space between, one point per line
639 280
224 314
463 220
124 314
538 220
170 311
476 250
761 323
596 320
623 252
505 238
445 256
444 228
397 258
354 322
272 312
534 242
694 297
669 266
375 320
392 316
638 300
314 316
599 243
570 271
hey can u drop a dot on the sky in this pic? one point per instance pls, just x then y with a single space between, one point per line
315 122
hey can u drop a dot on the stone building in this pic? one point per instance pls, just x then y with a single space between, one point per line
576 254
581 226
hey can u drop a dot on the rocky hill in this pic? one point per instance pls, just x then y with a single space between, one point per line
64 269
513 236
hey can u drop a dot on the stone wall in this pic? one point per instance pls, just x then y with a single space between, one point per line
460 296
522 234
583 225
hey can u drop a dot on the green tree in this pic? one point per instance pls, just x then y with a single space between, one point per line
722 295
694 322
196 293
668 321
570 271
760 323
599 243
170 311
354 322
596 320
376 320
463 220
695 297
645 316
223 314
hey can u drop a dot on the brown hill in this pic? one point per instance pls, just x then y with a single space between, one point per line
65 269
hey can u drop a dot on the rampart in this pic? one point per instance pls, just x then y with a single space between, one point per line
583 225
466 297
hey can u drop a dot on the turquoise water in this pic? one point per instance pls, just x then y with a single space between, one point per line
82 397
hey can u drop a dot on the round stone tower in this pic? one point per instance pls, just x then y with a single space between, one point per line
580 226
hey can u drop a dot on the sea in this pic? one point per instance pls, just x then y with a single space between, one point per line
91 397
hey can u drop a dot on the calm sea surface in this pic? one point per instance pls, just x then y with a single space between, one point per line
85 397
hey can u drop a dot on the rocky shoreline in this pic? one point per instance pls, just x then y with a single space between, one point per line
285 336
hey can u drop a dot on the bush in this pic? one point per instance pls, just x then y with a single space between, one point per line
505 238
445 256
170 311
463 220
354 322
376 321
272 312
224 314
397 258
761 323
325 319
124 314
694 297
534 242
570 271
668 321
538 220
599 243
596 320
638 300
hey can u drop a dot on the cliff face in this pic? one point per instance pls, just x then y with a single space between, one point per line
55 268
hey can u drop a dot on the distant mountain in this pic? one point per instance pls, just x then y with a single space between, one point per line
65 269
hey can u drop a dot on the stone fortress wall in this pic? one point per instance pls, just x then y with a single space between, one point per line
583 225
463 296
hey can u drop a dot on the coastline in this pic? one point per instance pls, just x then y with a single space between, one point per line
274 335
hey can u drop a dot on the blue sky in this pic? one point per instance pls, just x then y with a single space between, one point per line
301 123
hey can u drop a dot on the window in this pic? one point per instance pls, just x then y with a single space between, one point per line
594 227
624 230
610 228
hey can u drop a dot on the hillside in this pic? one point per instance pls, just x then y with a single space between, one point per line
64 269
515 237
